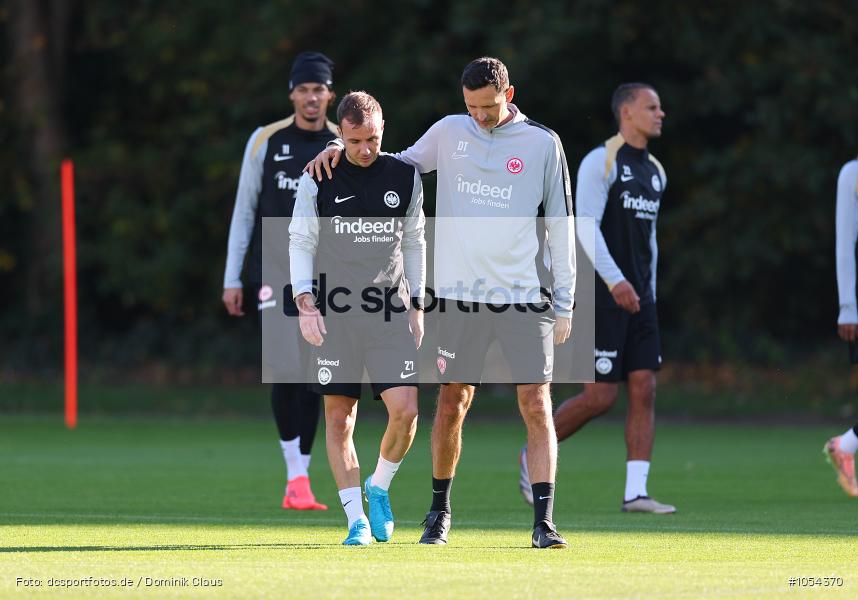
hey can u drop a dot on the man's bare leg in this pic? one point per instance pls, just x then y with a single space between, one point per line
340 416
640 420
454 400
534 402
575 412
401 403
572 415
640 433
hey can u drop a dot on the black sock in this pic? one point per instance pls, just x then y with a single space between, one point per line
441 494
543 502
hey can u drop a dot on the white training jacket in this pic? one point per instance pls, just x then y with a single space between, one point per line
493 188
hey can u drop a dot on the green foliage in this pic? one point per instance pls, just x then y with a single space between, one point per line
161 96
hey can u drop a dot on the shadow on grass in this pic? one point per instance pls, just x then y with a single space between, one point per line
642 524
163 548
222 547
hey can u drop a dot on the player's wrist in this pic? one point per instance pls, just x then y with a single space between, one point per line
306 302
611 286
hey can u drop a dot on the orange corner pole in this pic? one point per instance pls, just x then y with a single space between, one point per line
69 293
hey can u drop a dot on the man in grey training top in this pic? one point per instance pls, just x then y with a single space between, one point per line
495 162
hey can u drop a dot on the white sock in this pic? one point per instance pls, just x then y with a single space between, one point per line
849 442
352 503
384 472
305 458
636 474
292 455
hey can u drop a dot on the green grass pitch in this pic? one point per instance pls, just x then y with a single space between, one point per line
170 499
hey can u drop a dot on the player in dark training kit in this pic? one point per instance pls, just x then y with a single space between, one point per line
361 235
620 185
270 172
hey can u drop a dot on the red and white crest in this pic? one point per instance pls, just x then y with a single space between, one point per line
265 293
514 165
442 364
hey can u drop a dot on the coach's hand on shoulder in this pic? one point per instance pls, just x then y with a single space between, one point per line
562 329
415 322
327 159
232 299
624 295
310 319
848 332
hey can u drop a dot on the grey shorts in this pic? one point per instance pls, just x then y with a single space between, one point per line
385 348
284 351
525 333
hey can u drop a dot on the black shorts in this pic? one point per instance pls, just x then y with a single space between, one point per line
524 332
285 352
626 342
385 348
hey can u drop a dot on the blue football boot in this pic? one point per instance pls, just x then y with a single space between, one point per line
380 513
359 534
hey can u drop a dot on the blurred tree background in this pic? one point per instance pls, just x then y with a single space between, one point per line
154 100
